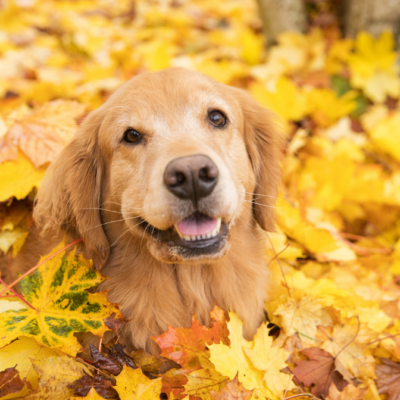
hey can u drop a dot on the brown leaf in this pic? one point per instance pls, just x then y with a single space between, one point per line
104 363
233 390
349 392
42 134
10 382
319 372
100 383
117 353
388 378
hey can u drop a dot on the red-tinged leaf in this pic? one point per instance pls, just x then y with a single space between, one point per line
388 378
173 382
233 390
183 344
104 363
319 372
10 382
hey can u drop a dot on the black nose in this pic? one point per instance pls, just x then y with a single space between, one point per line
191 177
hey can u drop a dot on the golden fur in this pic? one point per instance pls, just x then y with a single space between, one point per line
98 187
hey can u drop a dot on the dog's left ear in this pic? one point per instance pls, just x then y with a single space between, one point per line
264 144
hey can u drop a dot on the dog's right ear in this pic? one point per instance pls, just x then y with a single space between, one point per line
70 196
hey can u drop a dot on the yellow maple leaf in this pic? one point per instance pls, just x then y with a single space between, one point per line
61 304
132 384
269 359
201 381
230 360
18 178
373 67
56 374
326 108
302 316
284 98
386 135
42 134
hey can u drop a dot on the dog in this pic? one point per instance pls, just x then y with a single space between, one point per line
171 184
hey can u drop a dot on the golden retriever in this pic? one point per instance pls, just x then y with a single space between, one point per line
171 184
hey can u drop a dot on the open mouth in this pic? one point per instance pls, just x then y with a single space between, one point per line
198 227
198 234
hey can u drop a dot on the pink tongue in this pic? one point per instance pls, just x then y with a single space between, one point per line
197 225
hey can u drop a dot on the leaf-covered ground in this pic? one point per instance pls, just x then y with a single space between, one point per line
334 330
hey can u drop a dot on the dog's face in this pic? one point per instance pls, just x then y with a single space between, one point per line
176 158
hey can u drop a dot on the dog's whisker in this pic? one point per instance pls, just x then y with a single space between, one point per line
99 208
112 222
263 205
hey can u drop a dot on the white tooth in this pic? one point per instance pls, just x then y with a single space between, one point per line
203 236
177 230
198 237
186 237
218 224
209 235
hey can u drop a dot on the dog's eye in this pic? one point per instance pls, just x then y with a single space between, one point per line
132 136
217 118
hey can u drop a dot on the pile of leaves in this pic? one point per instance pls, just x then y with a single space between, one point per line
334 328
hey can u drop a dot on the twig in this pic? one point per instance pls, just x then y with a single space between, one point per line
308 337
299 395
279 263
17 295
351 341
386 337
38 265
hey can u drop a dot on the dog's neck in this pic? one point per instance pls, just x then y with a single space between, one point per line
157 294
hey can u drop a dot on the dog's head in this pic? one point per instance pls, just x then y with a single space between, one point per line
173 158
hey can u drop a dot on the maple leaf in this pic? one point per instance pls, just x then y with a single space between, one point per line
201 381
132 384
42 134
24 352
183 344
230 360
233 390
62 305
271 359
319 372
303 316
10 382
18 178
388 378
349 392
56 374
146 361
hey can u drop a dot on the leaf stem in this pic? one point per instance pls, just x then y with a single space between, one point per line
299 395
38 265
20 296
386 337
351 341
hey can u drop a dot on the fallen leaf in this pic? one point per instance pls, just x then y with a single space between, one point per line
349 392
62 305
56 374
388 378
132 384
183 344
233 390
271 360
319 372
92 395
99 382
230 360
23 352
42 134
18 178
10 382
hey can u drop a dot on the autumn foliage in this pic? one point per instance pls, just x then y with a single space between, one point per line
334 311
